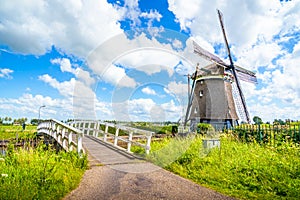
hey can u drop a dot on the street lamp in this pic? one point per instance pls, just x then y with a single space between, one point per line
43 106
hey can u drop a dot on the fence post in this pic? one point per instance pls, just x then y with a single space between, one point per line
129 142
116 136
147 148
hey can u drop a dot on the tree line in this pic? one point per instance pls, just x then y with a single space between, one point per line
258 120
9 120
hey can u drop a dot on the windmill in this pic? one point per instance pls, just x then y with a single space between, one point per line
216 94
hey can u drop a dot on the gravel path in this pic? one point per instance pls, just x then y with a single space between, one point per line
117 182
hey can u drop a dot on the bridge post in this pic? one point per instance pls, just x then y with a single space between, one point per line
105 133
79 143
57 132
147 148
116 136
97 129
89 128
70 147
129 142
53 133
63 132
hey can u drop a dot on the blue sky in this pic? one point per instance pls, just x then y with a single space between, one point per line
126 60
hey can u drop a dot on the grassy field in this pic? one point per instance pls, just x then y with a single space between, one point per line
37 173
11 131
242 170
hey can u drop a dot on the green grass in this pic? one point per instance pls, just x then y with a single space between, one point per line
39 173
8 132
242 170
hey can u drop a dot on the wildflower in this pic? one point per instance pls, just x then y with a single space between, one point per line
2 159
4 175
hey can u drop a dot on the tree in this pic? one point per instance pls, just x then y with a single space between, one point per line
278 122
34 121
257 120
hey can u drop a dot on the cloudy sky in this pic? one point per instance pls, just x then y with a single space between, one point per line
127 60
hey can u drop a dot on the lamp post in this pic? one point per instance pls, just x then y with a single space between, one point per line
43 106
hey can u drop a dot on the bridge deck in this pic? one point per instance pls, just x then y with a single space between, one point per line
107 154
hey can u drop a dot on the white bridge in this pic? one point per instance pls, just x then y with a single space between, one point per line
70 136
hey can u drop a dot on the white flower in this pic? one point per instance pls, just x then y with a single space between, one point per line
4 175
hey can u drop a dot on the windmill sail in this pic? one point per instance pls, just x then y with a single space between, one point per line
207 55
232 67
245 75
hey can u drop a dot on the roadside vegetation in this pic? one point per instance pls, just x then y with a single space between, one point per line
36 173
39 173
238 169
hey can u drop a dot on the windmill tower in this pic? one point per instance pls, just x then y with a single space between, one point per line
216 95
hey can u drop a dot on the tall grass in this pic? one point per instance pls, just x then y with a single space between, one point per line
39 173
242 170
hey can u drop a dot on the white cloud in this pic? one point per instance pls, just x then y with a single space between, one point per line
84 76
259 55
149 91
173 111
179 89
145 109
84 102
110 59
75 27
177 44
185 11
117 76
65 88
6 73
133 110
153 14
28 105
65 64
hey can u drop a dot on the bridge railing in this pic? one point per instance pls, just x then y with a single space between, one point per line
67 136
111 132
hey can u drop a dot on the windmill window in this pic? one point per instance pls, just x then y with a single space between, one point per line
196 111
201 93
201 82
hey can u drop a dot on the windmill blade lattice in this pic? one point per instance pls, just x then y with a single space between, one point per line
238 103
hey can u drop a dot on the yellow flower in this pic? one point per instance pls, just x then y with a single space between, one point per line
2 159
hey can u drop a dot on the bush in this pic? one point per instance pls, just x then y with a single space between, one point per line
204 128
